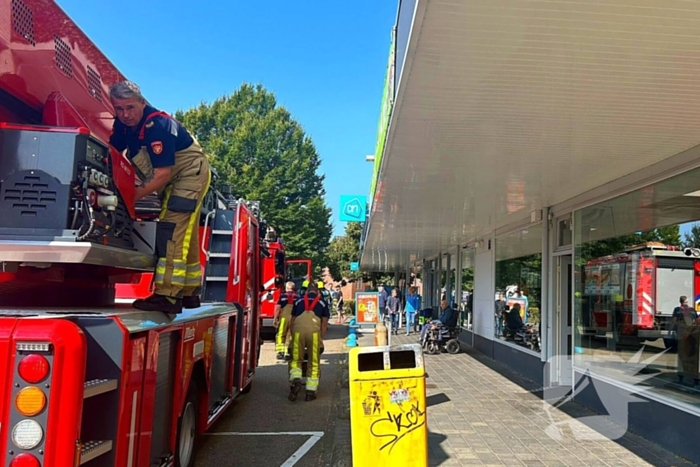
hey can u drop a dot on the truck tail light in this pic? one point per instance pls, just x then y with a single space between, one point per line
30 401
27 434
33 368
25 460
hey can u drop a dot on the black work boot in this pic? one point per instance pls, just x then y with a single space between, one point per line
280 355
191 302
310 396
294 390
159 303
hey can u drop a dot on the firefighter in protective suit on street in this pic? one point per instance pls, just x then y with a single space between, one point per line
168 161
283 319
309 325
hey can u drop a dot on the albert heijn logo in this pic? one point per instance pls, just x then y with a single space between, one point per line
353 208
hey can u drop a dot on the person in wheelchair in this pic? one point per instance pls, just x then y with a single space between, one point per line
514 323
447 319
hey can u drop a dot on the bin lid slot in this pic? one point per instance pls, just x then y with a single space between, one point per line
388 359
370 361
402 359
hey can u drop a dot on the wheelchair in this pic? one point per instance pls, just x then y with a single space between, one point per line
441 337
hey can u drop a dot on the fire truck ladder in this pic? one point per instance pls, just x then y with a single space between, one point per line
219 256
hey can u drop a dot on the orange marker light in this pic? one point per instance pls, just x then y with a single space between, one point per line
30 401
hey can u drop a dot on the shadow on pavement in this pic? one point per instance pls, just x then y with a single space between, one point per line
267 409
436 454
437 399
631 441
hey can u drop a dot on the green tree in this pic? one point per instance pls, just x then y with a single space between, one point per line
670 235
344 250
667 235
258 149
692 239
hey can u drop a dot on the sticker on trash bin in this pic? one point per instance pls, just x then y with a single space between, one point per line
372 405
398 396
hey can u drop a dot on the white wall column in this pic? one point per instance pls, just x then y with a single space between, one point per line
484 288
437 293
458 278
546 316
448 276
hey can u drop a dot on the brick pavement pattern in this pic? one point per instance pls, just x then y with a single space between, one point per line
478 415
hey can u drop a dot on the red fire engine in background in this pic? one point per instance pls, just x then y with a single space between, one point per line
632 295
276 271
85 380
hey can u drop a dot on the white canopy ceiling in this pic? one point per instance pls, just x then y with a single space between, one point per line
505 106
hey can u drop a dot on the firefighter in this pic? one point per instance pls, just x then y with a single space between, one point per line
309 324
169 161
325 294
283 318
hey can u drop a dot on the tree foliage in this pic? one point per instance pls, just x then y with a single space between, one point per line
264 154
692 239
667 235
344 250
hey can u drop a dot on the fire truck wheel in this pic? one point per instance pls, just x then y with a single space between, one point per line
187 429
247 389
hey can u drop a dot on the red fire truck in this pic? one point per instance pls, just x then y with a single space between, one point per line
276 271
632 295
85 380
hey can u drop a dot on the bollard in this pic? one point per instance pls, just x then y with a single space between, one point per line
352 340
380 334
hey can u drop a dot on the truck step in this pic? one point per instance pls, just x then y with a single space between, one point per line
219 255
216 278
94 449
96 387
222 232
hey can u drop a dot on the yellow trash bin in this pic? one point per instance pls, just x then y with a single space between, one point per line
388 406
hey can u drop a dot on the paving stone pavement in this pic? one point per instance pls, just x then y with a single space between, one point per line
481 413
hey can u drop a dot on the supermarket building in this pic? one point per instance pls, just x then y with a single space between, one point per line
535 149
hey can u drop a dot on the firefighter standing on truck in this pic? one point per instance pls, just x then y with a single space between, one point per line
170 162
309 324
283 319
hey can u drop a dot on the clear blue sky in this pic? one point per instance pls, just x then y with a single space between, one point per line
324 60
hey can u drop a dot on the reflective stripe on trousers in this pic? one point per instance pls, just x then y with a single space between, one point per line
178 271
306 338
283 330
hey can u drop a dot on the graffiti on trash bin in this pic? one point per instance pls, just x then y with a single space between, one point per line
397 424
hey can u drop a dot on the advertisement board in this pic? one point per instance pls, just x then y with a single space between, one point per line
367 308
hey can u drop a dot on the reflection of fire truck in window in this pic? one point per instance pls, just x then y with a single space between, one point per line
633 294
